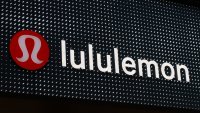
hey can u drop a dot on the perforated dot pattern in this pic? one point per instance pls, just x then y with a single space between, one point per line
163 31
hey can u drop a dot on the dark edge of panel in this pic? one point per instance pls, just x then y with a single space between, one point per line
62 103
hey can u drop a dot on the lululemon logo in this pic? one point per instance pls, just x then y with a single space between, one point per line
29 50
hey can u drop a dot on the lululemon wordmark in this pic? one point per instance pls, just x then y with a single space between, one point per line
128 64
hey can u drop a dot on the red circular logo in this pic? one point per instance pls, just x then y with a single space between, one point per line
29 50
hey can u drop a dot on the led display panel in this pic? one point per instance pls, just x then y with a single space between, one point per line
142 52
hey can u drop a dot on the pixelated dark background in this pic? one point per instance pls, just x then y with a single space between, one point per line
160 30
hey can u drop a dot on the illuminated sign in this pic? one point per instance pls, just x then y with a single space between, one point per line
31 52
137 52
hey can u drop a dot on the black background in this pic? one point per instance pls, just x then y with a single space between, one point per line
42 102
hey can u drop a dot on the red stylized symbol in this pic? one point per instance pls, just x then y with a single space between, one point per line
29 50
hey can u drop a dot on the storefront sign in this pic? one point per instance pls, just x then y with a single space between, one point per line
142 52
